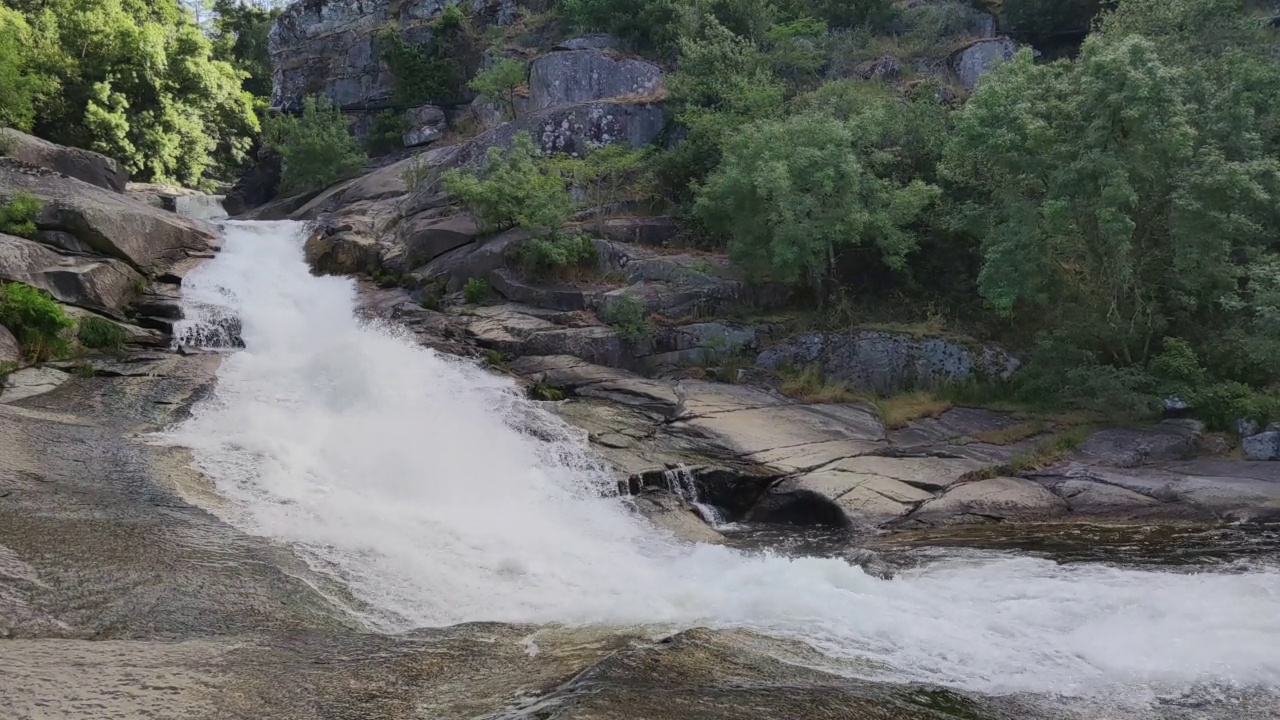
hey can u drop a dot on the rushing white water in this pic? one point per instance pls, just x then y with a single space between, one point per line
408 475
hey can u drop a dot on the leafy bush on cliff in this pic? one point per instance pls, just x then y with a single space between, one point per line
17 217
429 71
99 334
794 195
35 320
514 189
498 84
316 148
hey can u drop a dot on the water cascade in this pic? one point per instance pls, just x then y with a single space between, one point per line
412 477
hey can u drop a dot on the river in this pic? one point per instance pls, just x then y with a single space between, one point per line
417 481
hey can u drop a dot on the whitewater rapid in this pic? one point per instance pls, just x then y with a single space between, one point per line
413 478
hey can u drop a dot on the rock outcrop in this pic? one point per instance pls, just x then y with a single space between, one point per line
975 60
576 76
84 165
332 47
146 238
9 350
886 362
97 283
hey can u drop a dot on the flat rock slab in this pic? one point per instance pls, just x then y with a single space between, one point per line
30 382
1131 447
994 499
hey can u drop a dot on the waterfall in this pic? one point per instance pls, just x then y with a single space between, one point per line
409 476
681 482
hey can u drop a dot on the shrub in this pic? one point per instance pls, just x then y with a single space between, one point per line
546 393
317 148
793 194
1032 20
498 84
100 334
17 217
811 385
649 25
515 190
416 174
609 175
626 315
6 368
542 257
430 72
35 320
477 290
386 134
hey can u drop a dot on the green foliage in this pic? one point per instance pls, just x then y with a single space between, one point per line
498 84
609 175
136 81
20 86
431 71
317 149
649 25
386 133
1111 208
626 315
477 290
546 393
1033 20
923 30
35 320
513 190
547 256
7 367
795 194
100 334
241 38
417 173
17 217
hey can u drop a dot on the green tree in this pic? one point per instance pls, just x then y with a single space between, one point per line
794 195
1108 211
1034 20
515 189
316 148
649 25
240 38
498 84
137 81
19 85
35 319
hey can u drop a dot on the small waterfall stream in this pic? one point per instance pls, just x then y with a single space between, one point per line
403 473
681 482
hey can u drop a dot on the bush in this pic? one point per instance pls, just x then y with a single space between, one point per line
477 290
609 175
498 84
543 257
386 133
35 320
430 72
793 194
317 148
648 25
100 334
515 190
626 315
17 217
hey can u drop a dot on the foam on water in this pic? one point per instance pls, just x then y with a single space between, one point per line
420 481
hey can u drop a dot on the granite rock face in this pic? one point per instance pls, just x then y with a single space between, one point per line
331 47
972 62
887 362
83 165
578 76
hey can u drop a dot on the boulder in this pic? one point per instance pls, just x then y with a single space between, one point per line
257 186
29 382
973 61
885 69
579 76
552 297
476 259
148 239
997 499
426 236
84 165
10 351
1130 447
1263 446
425 124
92 282
697 343
888 362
